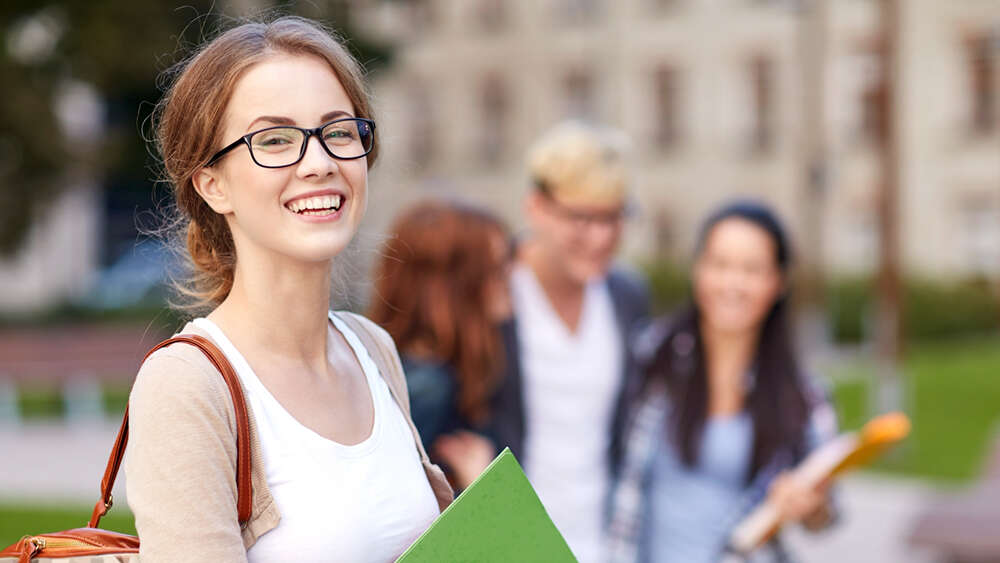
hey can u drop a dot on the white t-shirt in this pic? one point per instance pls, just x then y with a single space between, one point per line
365 502
570 384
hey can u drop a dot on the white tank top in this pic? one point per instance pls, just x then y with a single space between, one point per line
365 502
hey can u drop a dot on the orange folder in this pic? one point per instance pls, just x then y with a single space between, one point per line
841 454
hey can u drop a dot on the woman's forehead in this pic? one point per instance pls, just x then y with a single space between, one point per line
739 235
302 89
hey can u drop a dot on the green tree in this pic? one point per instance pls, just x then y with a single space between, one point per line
119 47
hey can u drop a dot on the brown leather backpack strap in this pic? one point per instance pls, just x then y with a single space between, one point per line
244 488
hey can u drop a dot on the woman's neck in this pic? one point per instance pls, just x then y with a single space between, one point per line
728 358
279 306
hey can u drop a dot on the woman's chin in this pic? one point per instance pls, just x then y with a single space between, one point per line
320 250
732 326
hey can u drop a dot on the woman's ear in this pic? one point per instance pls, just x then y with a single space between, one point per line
211 189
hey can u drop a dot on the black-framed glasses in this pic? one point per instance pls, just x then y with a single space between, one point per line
581 219
346 138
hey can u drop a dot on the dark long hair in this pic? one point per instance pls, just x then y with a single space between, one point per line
775 399
430 289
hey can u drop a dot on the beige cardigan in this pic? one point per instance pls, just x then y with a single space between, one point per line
180 464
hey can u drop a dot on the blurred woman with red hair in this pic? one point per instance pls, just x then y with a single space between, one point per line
441 292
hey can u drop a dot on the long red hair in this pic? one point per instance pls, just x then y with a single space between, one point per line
432 285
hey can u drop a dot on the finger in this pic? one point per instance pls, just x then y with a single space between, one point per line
808 504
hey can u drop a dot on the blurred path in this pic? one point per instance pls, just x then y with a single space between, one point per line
878 514
52 462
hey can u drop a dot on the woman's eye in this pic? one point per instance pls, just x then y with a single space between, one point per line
274 140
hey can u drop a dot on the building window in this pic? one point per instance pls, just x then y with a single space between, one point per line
664 231
982 84
661 7
421 15
577 12
868 69
980 223
492 15
495 101
666 93
422 143
578 96
860 239
762 96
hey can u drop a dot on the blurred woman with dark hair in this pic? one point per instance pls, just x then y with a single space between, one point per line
441 292
723 408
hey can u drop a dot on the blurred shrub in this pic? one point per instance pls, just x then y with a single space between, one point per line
848 305
669 285
931 309
157 316
115 399
40 403
935 310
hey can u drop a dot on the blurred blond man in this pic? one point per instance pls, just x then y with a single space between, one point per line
560 405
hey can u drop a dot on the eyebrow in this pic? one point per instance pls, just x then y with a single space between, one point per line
282 120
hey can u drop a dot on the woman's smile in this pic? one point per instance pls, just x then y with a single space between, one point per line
318 206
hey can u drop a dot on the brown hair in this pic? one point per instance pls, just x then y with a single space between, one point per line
431 290
187 122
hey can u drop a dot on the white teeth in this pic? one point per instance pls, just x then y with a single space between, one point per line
316 203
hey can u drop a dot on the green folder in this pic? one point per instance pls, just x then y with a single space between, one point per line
497 519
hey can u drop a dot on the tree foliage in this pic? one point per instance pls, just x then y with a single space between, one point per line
119 47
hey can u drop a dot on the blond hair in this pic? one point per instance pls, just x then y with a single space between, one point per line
188 124
579 163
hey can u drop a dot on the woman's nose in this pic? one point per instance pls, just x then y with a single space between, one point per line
316 162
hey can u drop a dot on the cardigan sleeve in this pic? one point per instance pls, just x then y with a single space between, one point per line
180 464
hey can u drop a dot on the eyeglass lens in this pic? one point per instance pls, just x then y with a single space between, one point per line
282 146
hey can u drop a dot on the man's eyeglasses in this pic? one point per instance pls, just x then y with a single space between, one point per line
580 219
346 138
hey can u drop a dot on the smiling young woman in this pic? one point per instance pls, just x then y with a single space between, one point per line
267 136
723 409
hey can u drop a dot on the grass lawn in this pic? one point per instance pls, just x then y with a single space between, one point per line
953 397
19 519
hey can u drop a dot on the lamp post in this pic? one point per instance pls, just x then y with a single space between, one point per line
813 40
889 306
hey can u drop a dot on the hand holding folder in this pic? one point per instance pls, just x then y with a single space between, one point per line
841 454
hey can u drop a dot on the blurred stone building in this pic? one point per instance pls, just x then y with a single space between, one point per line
777 99
717 96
